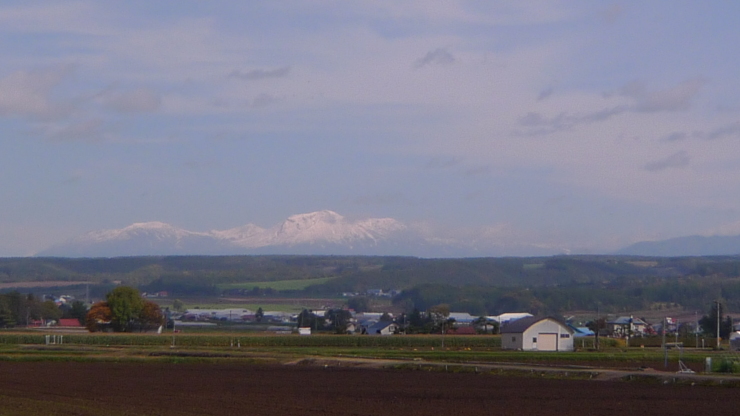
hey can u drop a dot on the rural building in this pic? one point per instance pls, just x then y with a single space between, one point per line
462 318
509 317
537 334
623 325
69 323
735 341
381 328
582 331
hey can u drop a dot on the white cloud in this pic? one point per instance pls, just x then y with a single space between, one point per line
29 93
87 130
70 17
677 160
730 130
134 101
257 74
676 98
439 56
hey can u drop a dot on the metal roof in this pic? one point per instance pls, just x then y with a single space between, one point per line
521 325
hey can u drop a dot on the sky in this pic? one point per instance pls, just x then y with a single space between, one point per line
585 124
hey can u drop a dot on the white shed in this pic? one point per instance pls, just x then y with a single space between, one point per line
537 334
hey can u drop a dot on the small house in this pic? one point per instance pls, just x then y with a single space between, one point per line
537 334
627 325
69 323
381 328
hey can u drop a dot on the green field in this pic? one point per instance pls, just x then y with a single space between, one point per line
267 306
219 346
299 284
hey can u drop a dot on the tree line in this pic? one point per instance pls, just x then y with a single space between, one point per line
123 310
17 309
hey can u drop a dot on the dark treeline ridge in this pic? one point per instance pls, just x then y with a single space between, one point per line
476 285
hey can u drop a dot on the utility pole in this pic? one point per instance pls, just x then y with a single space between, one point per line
718 316
696 330
665 347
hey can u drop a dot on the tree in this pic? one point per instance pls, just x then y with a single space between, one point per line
708 323
178 306
50 311
359 304
18 306
308 319
339 318
99 317
419 323
386 317
151 316
75 310
482 324
6 315
259 315
439 314
597 325
126 305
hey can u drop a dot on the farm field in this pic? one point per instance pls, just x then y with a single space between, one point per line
295 305
431 348
298 284
95 388
42 284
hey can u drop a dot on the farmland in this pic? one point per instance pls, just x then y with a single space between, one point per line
226 373
95 388
20 346
299 284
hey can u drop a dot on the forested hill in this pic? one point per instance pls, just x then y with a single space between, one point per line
475 285
357 273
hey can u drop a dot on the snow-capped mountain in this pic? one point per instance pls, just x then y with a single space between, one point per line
323 232
326 227
145 238
315 233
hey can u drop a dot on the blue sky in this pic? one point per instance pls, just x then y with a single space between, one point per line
580 124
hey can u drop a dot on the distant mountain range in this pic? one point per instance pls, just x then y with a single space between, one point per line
686 246
328 233
315 233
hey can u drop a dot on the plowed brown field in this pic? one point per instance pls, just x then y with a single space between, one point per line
62 388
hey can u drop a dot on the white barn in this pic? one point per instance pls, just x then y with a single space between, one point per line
537 334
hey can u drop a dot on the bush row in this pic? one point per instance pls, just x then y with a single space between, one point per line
260 341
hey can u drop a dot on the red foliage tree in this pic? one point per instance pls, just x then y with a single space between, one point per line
151 316
99 316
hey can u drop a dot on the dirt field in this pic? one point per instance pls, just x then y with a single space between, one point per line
62 388
26 285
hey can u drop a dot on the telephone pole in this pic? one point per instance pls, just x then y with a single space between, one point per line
718 317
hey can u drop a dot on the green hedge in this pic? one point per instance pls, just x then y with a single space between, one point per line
183 340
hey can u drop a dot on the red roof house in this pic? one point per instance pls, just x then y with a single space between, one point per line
70 322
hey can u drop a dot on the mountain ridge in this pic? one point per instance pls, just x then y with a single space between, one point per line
316 233
694 245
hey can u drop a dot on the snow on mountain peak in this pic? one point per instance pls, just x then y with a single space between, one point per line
320 227
151 225
330 227
156 229
312 218
320 232
237 234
